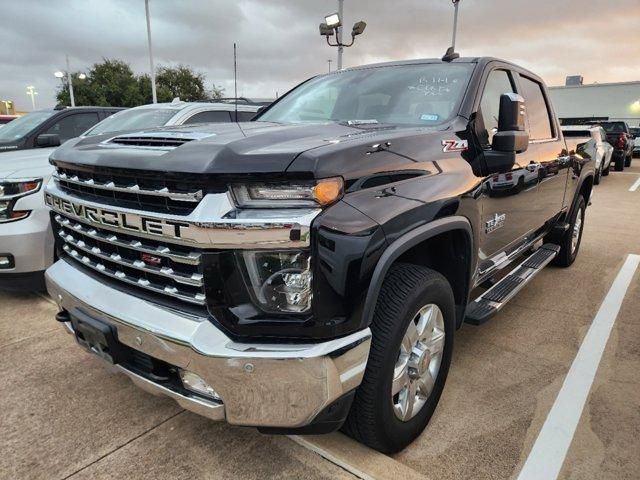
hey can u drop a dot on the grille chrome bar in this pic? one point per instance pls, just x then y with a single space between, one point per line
192 258
198 298
195 196
194 280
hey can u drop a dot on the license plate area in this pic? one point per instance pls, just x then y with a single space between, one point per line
98 337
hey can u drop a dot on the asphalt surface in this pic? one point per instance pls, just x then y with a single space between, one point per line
62 415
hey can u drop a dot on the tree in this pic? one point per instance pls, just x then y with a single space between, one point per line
110 83
180 81
113 83
216 92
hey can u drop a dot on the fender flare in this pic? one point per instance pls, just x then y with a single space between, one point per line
406 242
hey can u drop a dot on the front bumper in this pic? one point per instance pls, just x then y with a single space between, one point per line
30 242
281 386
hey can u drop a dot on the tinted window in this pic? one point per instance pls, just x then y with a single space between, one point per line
245 116
73 125
577 133
423 94
133 119
498 83
210 117
23 125
537 113
614 127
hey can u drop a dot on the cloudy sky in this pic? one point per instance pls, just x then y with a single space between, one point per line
279 44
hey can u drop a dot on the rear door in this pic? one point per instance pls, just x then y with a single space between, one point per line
546 150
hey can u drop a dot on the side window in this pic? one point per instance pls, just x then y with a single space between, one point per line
245 116
211 116
498 83
73 125
537 111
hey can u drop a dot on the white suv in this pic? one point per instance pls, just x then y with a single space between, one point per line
595 146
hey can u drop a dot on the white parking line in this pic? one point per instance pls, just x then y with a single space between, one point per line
635 186
550 449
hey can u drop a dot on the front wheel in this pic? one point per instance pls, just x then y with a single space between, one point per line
605 172
411 349
627 162
596 180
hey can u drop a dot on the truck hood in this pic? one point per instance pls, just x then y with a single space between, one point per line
33 162
252 147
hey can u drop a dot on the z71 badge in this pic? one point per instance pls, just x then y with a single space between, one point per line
454 145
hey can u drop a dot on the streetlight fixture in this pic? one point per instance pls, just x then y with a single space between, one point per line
60 74
31 91
333 24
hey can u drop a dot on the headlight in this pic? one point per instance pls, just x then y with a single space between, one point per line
279 281
10 191
282 195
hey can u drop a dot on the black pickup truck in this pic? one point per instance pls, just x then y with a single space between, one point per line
307 271
620 137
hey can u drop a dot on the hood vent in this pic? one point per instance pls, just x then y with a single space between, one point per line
161 140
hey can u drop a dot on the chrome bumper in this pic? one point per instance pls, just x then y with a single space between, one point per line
265 385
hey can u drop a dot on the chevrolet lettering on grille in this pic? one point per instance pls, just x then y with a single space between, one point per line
119 220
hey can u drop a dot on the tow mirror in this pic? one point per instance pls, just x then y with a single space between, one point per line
48 140
511 136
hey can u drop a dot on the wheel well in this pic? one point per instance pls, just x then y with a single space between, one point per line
449 254
586 187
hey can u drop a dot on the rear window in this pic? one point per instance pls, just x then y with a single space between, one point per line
614 127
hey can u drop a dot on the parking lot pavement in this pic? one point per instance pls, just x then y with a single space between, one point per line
65 416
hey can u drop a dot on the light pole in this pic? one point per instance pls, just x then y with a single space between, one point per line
153 72
31 91
60 74
451 51
455 24
333 24
339 34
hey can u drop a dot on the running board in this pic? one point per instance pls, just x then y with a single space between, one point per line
491 302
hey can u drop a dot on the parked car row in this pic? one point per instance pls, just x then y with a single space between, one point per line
26 239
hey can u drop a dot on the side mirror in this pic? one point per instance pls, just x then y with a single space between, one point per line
48 140
511 135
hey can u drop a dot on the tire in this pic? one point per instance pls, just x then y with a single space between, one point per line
374 419
627 162
596 180
605 172
568 250
619 164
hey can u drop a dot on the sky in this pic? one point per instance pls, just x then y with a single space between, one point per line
279 44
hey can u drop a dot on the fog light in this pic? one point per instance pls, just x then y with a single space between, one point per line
280 281
6 261
196 384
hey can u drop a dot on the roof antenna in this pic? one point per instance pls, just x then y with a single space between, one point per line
451 54
235 80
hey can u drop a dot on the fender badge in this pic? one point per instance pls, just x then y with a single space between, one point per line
496 222
454 145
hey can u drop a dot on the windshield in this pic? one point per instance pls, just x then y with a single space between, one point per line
21 126
134 119
424 94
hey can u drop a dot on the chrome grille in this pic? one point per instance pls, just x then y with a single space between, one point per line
175 270
154 192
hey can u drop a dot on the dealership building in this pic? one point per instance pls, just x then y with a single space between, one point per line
597 101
